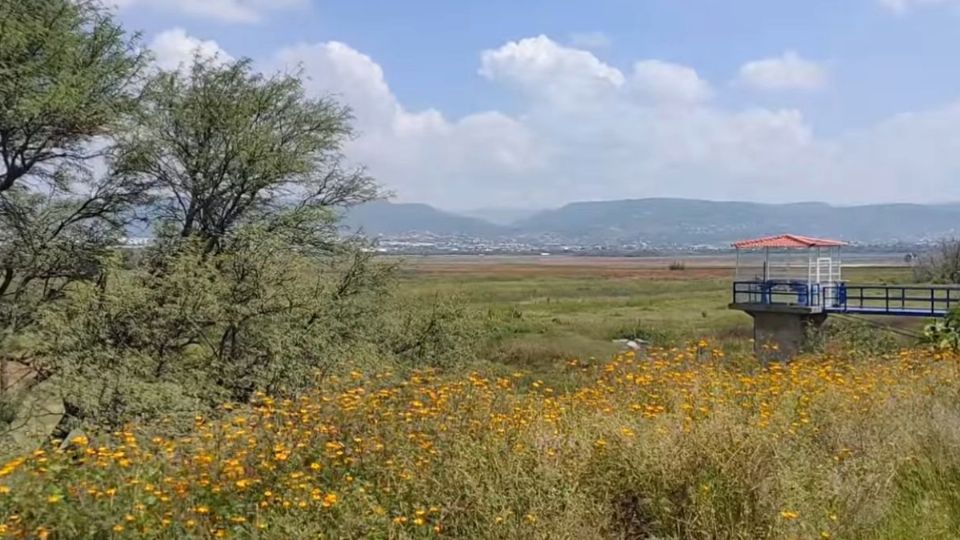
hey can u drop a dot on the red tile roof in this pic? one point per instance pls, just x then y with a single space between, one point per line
787 241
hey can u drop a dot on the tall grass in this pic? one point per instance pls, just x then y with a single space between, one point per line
680 444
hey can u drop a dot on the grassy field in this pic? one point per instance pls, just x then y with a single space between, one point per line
576 307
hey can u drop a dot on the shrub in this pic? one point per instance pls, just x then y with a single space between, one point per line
941 265
207 329
852 337
150 345
944 334
434 332
677 265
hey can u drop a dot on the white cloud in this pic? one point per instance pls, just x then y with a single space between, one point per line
543 68
786 72
590 40
419 154
587 131
666 82
335 68
174 49
230 11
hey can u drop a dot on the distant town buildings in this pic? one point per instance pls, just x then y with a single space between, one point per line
418 243
431 244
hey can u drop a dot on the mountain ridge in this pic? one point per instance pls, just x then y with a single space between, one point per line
663 220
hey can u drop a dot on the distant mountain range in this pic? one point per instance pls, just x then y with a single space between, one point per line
383 218
661 221
501 216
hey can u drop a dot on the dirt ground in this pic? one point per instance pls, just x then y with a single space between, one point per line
655 268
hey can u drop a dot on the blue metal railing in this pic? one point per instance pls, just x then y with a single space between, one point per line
905 300
779 292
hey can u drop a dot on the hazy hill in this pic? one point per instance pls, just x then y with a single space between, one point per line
386 218
673 221
694 221
501 216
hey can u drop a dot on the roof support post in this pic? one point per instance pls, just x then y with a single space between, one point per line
839 266
736 271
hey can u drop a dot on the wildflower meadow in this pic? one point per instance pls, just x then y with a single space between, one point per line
678 443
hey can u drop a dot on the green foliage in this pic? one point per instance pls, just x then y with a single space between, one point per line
643 331
68 73
51 240
187 330
206 329
941 265
944 333
69 79
228 147
439 332
860 338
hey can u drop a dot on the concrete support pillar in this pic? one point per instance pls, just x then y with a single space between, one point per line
780 336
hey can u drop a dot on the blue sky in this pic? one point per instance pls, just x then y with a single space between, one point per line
537 103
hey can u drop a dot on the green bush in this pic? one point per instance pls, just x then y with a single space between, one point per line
435 332
940 265
861 338
944 333
147 345
207 329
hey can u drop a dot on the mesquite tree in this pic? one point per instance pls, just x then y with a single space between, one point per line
69 79
224 146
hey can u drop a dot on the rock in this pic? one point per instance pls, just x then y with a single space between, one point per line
40 412
633 344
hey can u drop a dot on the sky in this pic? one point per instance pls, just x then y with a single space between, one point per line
536 103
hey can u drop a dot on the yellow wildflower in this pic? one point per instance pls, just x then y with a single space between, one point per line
789 515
